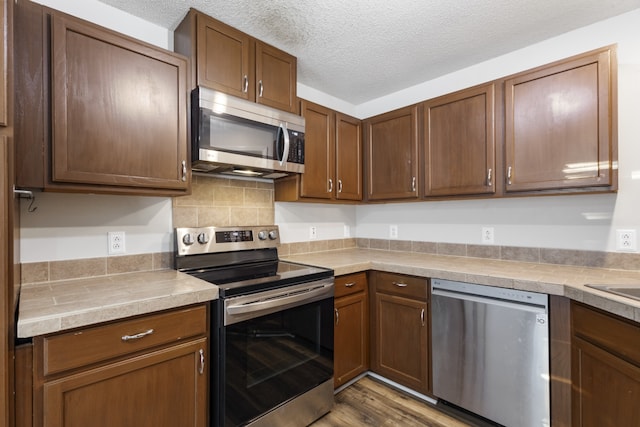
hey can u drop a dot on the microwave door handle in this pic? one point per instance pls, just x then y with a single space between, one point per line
285 152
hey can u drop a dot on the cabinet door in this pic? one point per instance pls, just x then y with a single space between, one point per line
392 155
348 158
224 58
164 388
119 109
3 63
606 388
400 350
351 343
459 143
317 180
276 76
560 125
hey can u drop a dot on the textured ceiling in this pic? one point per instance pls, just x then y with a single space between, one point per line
358 50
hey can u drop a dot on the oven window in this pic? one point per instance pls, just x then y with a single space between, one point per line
271 359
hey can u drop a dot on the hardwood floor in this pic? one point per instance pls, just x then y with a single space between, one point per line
369 402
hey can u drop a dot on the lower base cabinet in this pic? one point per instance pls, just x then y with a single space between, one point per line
400 329
605 369
351 330
147 371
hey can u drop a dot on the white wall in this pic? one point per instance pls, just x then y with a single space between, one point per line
569 222
68 226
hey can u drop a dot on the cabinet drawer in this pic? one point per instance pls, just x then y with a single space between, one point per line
91 345
350 284
609 332
402 285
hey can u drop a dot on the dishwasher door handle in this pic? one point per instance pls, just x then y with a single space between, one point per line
515 305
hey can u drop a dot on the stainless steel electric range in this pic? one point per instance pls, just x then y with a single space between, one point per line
271 328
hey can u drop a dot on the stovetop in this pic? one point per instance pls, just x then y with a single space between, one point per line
240 260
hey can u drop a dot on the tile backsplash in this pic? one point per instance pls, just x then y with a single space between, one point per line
218 201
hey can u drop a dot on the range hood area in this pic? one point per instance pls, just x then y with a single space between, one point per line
234 136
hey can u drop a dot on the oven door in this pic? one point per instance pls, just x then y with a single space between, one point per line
276 345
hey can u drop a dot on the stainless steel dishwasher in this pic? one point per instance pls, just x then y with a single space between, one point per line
490 351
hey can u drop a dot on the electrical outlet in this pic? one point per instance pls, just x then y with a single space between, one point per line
313 232
626 240
487 236
116 242
393 231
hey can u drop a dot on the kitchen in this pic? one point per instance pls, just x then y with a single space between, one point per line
66 228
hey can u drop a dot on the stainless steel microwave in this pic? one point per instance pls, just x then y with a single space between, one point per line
234 136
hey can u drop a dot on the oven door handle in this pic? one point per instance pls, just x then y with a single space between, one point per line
296 298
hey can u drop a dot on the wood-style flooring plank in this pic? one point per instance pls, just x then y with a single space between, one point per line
369 402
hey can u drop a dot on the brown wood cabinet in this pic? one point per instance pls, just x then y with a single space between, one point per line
351 331
561 125
233 62
605 368
333 159
459 148
400 329
118 109
391 144
5 30
150 370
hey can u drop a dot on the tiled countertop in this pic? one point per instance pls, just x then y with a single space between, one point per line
544 278
56 306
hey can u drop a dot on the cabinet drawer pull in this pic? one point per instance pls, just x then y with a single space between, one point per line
489 184
201 370
350 284
137 336
400 284
422 316
337 316
184 171
509 175
330 186
260 88
339 186
413 184
245 83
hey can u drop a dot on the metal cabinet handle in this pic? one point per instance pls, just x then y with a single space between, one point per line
337 316
339 186
137 336
201 370
260 88
245 83
184 171
509 175
350 284
413 184
422 316
400 284
330 185
489 184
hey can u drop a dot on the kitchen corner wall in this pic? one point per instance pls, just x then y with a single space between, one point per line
581 222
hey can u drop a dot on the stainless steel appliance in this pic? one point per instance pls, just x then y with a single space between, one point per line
271 328
490 351
235 136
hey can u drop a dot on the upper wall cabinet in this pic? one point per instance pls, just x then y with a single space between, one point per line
560 126
117 121
391 143
233 62
333 159
3 64
459 143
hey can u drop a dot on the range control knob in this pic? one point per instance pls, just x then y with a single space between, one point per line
273 235
262 235
188 240
203 238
